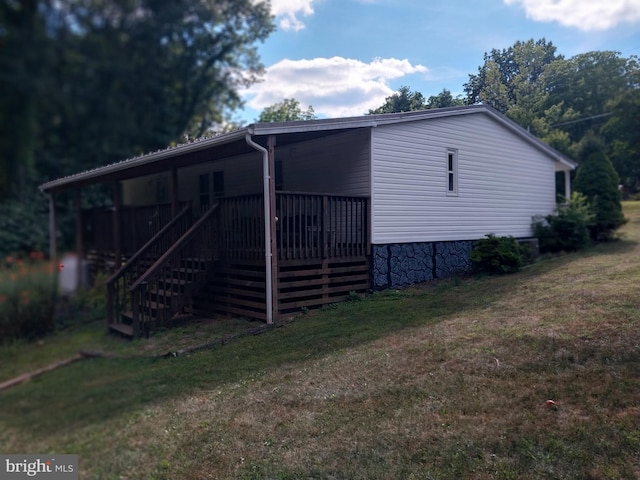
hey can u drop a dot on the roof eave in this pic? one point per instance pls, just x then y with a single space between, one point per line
87 176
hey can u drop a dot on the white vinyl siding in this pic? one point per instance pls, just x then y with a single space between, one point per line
502 181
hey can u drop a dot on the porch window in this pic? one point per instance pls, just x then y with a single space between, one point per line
204 190
218 184
452 171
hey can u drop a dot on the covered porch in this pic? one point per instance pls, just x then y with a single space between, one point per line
230 225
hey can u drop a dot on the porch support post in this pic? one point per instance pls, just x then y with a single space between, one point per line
567 185
79 237
272 223
117 245
173 189
53 247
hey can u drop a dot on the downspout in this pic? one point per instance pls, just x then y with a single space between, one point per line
267 225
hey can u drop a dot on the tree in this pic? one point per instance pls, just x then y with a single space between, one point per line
505 73
512 81
598 181
622 133
84 84
444 99
286 111
404 100
585 85
23 55
115 78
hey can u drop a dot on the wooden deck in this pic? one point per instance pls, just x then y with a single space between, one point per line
322 245
322 254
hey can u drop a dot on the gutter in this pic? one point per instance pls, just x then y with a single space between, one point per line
267 225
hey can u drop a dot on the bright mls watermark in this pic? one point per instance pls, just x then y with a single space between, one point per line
49 467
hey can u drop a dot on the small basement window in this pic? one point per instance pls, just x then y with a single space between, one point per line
452 171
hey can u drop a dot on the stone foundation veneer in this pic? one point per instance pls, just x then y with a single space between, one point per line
401 264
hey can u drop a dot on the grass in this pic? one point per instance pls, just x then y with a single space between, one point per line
445 380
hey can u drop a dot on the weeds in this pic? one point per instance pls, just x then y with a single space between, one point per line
27 297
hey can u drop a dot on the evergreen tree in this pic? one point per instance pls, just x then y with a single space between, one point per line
598 180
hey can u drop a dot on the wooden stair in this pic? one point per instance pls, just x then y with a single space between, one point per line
170 297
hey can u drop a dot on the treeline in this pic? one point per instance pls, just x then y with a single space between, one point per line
91 82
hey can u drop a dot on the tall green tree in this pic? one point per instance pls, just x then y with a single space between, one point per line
286 111
87 83
584 86
599 182
622 132
25 53
121 77
511 81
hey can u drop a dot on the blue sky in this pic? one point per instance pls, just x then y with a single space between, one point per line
344 57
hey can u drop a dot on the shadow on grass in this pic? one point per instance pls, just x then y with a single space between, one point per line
96 390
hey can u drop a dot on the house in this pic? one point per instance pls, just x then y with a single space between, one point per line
277 217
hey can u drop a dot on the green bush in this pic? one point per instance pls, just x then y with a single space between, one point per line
494 254
27 298
568 229
597 179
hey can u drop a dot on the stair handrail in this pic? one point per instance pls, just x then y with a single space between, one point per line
158 264
121 271
113 290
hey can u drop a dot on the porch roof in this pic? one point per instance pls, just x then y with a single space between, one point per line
233 143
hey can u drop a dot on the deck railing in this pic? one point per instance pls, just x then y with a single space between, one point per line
138 224
241 227
308 226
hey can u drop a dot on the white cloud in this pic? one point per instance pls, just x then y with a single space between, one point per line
335 87
585 15
287 12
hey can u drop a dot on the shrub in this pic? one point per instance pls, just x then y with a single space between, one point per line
567 229
84 306
27 298
597 179
494 254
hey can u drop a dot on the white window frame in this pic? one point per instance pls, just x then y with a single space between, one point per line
451 179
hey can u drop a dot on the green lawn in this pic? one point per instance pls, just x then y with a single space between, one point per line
447 380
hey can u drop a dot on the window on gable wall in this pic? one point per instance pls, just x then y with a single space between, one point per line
452 171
